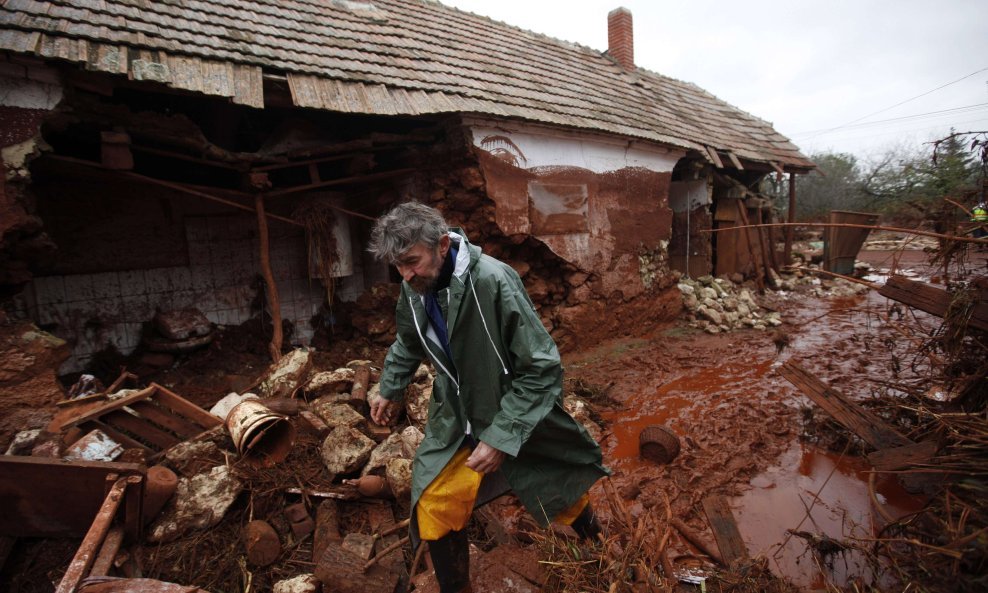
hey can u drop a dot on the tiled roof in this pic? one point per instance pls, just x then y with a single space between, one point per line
383 57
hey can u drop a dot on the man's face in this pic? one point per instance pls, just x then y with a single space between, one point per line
420 265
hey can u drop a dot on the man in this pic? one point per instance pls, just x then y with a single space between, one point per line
496 420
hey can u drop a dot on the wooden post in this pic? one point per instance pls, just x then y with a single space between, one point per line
791 218
745 224
274 346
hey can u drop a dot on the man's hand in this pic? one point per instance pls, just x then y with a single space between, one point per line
485 459
382 410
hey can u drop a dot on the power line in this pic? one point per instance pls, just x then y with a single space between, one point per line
903 102
928 114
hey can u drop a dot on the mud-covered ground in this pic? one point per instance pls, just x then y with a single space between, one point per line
745 431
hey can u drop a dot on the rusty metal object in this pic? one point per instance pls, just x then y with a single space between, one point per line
261 436
658 443
161 485
262 543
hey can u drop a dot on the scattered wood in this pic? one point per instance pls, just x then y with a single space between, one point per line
867 426
91 544
931 299
725 529
54 498
695 539
903 457
152 419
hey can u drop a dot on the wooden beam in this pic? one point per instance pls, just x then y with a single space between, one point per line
791 218
721 519
867 426
714 158
86 554
274 303
170 185
734 161
933 300
341 181
903 457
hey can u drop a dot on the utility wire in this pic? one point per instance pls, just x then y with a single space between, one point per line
928 114
901 103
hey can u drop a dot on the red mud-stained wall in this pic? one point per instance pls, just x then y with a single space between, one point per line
598 204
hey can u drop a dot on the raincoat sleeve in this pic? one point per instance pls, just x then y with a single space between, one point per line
533 361
404 355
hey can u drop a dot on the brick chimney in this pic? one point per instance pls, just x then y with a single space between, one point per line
620 38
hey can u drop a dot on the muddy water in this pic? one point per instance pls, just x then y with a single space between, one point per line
730 407
821 493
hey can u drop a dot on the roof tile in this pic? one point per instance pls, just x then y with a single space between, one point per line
401 57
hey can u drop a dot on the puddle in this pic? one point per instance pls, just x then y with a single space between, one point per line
681 398
835 490
726 410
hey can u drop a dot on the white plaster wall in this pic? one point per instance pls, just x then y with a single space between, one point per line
94 310
533 147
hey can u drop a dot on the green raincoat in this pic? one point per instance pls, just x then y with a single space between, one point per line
503 386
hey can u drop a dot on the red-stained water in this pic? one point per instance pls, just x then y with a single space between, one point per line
817 492
806 488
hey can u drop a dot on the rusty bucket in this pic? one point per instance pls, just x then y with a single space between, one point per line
261 436
658 443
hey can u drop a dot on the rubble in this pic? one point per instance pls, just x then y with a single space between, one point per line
286 375
346 450
200 502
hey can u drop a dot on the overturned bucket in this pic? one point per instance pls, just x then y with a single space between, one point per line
658 443
261 436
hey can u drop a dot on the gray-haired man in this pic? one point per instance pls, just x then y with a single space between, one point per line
496 420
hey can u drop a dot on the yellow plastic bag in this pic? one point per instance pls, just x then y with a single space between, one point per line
446 504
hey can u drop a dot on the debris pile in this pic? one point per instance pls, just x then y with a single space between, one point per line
240 501
719 305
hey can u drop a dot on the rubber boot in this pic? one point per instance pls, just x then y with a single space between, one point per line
451 559
586 525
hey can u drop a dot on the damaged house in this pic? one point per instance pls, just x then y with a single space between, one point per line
231 156
173 167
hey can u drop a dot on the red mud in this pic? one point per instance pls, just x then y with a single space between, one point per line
740 422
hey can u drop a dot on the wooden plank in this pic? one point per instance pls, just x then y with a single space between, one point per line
381 517
734 161
931 299
108 552
53 497
185 407
140 428
91 544
870 428
180 426
116 435
903 457
732 548
248 85
714 157
752 254
116 404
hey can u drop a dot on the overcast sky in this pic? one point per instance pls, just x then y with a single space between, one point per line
806 66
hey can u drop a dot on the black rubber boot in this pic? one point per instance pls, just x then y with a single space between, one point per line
586 525
451 559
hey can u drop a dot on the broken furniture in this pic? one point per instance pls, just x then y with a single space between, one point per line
152 419
98 501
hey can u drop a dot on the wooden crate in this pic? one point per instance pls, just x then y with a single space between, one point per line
152 419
